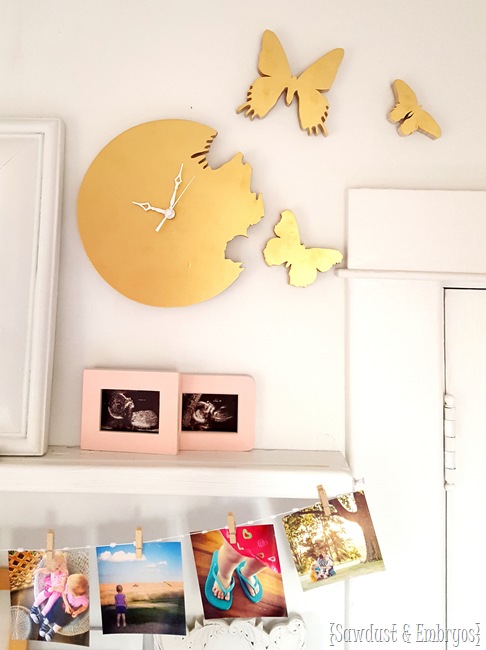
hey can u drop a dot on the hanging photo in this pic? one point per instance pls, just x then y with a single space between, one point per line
336 547
49 598
239 579
142 596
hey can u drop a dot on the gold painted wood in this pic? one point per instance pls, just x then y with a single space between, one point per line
303 263
127 227
409 114
276 78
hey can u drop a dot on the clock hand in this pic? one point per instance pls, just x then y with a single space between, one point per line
177 182
173 206
168 214
147 206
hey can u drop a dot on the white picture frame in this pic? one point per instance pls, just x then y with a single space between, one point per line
31 160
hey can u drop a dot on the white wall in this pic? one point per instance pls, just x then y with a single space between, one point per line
105 66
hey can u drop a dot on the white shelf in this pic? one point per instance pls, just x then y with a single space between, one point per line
444 277
257 473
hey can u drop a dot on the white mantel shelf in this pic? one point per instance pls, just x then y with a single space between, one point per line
257 473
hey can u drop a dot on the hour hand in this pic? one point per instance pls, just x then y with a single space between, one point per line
147 207
168 214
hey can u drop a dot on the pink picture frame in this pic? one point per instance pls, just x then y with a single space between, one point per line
217 412
130 411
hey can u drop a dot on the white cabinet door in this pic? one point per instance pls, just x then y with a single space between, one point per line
394 441
465 342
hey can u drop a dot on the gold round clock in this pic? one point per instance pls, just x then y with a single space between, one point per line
155 218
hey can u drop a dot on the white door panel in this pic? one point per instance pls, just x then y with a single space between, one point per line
465 339
395 386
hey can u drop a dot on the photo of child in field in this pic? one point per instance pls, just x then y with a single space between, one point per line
142 596
335 547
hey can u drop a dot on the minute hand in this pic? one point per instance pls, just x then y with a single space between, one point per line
177 182
172 205
170 212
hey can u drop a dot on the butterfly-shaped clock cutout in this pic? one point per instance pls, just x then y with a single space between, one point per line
409 114
303 263
276 77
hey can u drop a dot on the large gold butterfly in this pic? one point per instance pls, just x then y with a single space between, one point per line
276 77
410 114
287 248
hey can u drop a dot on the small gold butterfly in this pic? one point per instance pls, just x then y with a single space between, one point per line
410 114
287 248
276 77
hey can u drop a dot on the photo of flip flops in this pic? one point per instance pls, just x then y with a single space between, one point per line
239 579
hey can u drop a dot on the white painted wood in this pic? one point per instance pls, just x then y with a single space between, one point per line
238 635
395 389
31 152
465 337
444 277
390 230
395 442
257 473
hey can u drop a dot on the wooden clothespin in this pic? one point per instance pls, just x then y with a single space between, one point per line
50 545
231 528
4 579
17 645
138 543
326 508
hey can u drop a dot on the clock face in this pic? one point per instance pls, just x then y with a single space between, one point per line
155 218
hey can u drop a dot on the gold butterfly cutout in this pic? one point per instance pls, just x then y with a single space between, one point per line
410 114
303 263
276 77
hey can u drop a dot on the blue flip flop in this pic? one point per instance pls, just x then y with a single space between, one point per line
245 583
213 600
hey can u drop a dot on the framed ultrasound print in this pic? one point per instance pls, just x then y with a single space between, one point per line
130 410
217 412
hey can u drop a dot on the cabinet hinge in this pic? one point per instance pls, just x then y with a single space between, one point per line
449 441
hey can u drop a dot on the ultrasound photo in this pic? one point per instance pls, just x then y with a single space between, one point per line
215 413
134 411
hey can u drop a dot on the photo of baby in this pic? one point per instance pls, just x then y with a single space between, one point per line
132 411
50 596
142 596
208 412
240 579
55 574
